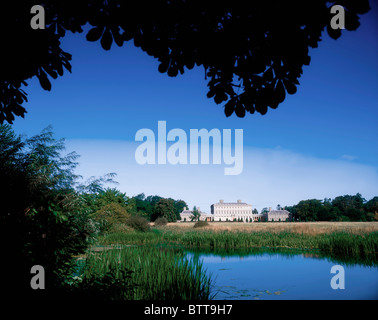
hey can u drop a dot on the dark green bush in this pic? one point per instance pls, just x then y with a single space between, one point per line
161 221
138 223
200 224
110 215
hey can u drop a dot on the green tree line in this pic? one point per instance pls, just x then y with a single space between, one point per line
110 207
341 208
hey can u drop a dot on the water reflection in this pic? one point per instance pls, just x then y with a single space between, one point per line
262 274
287 252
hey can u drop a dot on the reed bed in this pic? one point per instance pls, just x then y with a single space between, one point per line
209 239
339 243
348 246
150 274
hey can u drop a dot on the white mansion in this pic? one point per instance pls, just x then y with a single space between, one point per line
230 211
236 211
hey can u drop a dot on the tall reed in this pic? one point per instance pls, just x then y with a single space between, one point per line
156 274
212 239
351 246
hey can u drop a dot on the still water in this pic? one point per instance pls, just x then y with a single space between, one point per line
275 276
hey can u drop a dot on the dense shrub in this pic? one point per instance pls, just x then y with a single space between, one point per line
110 215
138 223
200 224
161 221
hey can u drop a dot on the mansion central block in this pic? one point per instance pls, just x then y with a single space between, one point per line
229 211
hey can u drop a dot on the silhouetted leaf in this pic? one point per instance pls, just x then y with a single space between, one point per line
163 66
229 108
261 108
180 68
59 69
189 64
228 89
127 36
137 40
239 110
290 87
51 72
333 33
273 104
19 110
118 39
43 80
279 92
220 97
67 55
172 70
67 65
95 33
211 93
9 115
106 40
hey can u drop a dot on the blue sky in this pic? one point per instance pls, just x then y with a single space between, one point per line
321 142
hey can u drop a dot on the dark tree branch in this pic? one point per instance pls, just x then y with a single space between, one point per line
264 44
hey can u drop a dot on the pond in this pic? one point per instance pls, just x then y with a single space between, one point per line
278 275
